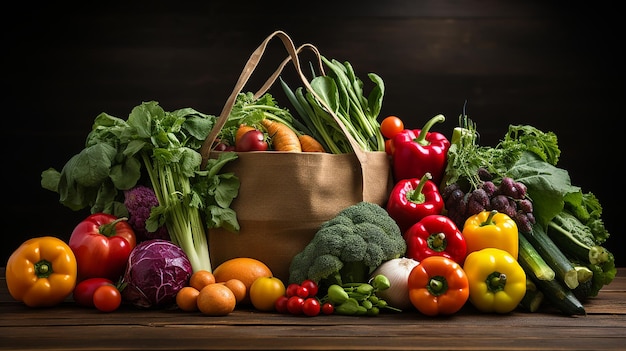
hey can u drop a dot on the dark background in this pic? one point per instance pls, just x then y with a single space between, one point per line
543 63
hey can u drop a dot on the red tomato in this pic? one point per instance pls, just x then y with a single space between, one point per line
294 305
311 307
102 244
83 291
107 298
292 290
391 126
328 308
253 140
311 286
303 292
281 304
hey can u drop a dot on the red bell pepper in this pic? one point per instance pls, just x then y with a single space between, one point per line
413 199
416 152
435 235
102 244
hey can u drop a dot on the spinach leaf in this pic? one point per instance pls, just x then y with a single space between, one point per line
548 186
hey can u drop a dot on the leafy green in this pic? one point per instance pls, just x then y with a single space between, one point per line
341 91
161 148
542 144
548 186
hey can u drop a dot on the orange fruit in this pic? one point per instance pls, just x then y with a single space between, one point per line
265 291
187 299
246 269
216 300
201 278
238 288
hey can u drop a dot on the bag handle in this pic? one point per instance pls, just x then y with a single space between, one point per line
249 68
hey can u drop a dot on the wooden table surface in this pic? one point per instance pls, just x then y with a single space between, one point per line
69 327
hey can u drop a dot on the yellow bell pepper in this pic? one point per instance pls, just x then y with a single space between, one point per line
491 229
497 282
41 272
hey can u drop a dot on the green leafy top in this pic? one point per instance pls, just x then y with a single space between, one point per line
160 148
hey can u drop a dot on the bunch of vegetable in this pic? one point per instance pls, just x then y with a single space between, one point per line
261 125
342 91
560 227
158 149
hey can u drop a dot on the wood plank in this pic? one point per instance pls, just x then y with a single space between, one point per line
69 327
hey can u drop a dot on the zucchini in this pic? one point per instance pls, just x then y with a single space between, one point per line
532 298
553 255
560 296
532 262
575 247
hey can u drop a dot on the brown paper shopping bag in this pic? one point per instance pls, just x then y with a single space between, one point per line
284 196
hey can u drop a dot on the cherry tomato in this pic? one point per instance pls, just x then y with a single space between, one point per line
292 290
390 126
83 291
294 305
107 298
328 308
311 307
224 147
389 147
311 286
253 140
303 292
281 304
264 292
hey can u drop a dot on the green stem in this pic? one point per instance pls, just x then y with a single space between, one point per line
496 281
421 138
489 220
416 195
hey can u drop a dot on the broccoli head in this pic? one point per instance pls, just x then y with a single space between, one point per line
349 247
139 201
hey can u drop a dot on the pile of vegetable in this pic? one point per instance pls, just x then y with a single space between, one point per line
496 227
160 150
559 220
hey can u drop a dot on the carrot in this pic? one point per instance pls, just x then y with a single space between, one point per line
310 144
283 137
243 129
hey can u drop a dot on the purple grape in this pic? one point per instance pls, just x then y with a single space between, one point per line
531 217
484 174
499 203
448 190
521 189
525 206
523 222
489 187
508 187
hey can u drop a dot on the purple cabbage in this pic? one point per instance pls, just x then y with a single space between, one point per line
156 270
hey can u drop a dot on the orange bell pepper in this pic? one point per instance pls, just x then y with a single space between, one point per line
41 272
438 285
